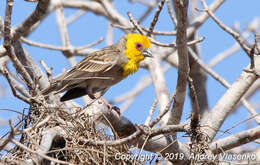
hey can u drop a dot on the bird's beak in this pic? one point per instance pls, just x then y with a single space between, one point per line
147 53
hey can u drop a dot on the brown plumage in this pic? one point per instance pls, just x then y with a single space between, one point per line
98 71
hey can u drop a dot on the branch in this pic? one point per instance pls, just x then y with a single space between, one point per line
35 72
14 86
96 8
10 49
236 36
10 136
215 118
224 83
181 7
35 17
198 21
136 135
47 140
160 86
254 25
235 140
155 18
39 154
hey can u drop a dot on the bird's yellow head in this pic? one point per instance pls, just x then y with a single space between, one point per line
137 48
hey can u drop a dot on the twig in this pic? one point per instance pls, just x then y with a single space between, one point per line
167 108
10 136
135 24
257 37
252 57
149 117
19 87
144 2
223 82
168 129
235 47
155 18
14 86
236 125
47 69
195 114
75 16
1 27
39 123
170 11
109 35
71 49
11 110
90 45
60 17
173 45
235 140
35 17
41 45
198 21
148 11
142 147
9 48
126 28
154 132
236 36
195 117
39 154
39 79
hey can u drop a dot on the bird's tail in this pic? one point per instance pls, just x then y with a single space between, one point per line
79 92
73 93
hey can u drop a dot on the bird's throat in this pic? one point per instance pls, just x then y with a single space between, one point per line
130 67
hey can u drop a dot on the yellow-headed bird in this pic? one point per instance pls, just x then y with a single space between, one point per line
103 68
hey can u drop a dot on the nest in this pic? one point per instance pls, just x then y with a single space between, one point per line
68 135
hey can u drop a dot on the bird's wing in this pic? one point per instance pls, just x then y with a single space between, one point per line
99 61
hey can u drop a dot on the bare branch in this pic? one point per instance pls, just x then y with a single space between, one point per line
235 140
235 47
224 83
149 117
39 154
181 8
14 86
236 36
9 48
75 16
160 86
226 104
198 21
170 11
155 18
10 136
35 17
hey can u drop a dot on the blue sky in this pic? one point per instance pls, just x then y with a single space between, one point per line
90 28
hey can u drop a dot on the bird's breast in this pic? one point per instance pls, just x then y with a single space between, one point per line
130 67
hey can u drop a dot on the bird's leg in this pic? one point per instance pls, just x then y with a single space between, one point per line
110 106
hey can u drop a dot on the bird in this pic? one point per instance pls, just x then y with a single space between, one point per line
102 69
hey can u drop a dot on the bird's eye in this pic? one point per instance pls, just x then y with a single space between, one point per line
139 46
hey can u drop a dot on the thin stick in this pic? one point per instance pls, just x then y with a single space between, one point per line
155 18
236 36
149 117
